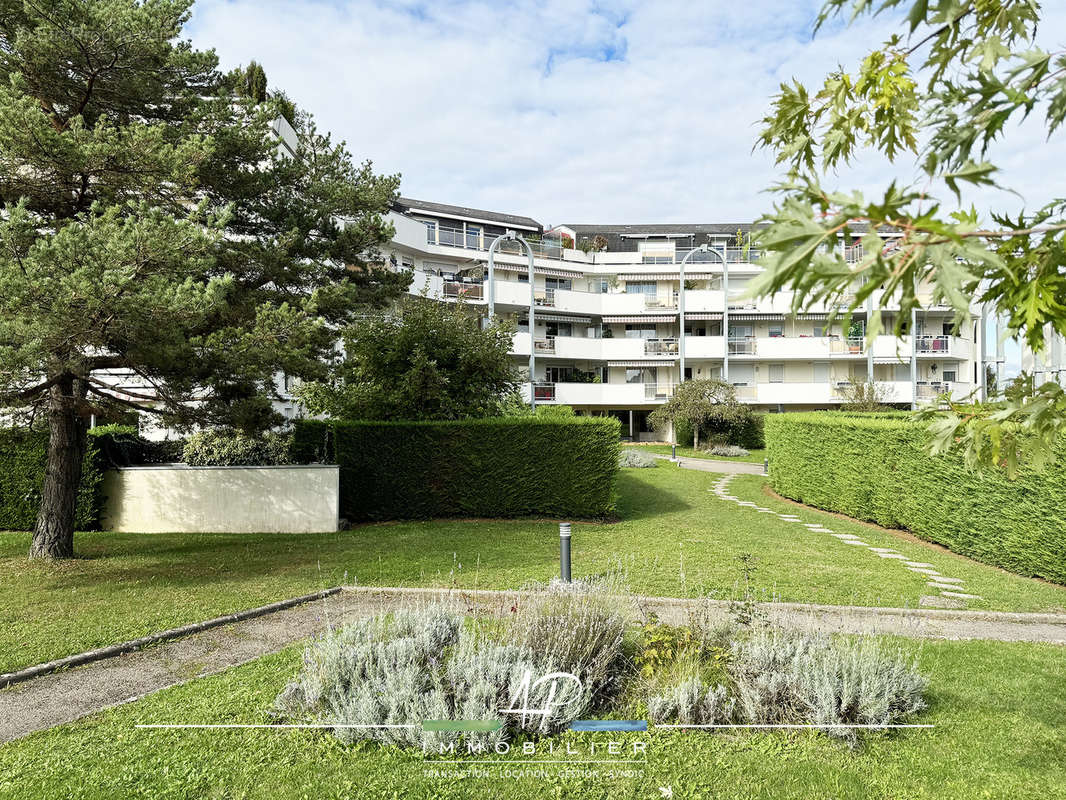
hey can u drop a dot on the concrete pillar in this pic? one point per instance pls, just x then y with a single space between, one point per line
630 423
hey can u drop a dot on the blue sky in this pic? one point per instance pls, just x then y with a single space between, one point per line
567 110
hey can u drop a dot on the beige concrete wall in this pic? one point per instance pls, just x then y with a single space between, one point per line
177 498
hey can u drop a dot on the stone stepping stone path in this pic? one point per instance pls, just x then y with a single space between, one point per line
951 589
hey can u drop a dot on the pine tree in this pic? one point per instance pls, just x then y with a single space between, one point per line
153 234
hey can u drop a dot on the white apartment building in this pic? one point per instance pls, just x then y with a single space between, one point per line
607 329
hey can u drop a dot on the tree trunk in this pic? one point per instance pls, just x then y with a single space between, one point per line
53 536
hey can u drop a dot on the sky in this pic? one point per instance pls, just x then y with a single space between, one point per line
570 111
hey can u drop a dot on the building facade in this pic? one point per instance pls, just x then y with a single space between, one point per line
608 303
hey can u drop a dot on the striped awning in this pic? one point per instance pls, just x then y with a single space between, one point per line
703 315
744 316
659 363
694 274
642 318
558 273
813 315
539 317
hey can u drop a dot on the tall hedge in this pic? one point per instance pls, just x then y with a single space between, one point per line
22 463
475 468
874 467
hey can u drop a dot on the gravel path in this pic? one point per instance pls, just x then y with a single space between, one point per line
711 465
62 697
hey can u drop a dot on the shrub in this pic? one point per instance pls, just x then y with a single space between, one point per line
726 450
635 458
875 467
23 456
781 677
500 467
576 627
226 448
412 666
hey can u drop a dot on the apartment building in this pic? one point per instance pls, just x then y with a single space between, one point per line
609 305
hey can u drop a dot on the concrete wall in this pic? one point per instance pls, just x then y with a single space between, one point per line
178 498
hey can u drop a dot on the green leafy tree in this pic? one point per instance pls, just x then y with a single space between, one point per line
702 404
957 76
864 396
153 236
422 359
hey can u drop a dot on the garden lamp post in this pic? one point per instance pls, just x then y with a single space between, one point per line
512 236
703 248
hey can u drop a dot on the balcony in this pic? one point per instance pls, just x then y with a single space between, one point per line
601 394
544 297
652 301
660 347
851 345
546 345
741 346
470 240
929 390
465 290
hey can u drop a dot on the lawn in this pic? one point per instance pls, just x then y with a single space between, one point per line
675 538
997 707
754 456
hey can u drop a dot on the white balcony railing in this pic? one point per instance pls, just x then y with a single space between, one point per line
853 345
660 347
545 345
741 346
468 291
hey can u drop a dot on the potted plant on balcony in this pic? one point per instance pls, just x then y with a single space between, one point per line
855 335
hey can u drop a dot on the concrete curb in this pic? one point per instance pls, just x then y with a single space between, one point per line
99 654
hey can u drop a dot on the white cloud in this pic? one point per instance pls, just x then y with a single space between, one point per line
565 110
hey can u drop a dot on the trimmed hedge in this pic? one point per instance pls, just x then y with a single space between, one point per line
227 448
874 467
503 467
22 463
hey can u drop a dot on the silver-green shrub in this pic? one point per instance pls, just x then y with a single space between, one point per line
726 450
693 703
635 458
380 678
577 627
792 677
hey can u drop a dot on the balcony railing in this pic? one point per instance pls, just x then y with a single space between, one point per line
930 389
545 297
932 344
660 301
745 391
660 347
544 392
471 291
546 345
457 237
742 346
851 344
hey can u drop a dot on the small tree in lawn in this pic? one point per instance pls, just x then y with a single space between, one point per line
700 403
422 359
152 236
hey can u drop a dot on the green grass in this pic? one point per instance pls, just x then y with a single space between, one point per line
754 456
675 539
997 707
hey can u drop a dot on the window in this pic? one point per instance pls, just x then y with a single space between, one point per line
604 285
558 374
642 287
777 330
643 330
473 236
558 283
407 262
777 373
741 331
645 375
559 329
949 375
818 330
431 230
